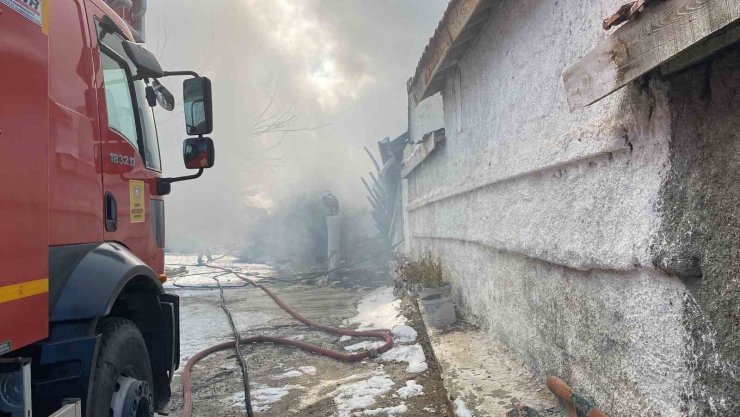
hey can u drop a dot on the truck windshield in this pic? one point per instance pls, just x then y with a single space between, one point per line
118 77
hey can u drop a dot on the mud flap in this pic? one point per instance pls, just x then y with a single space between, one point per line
165 349
63 370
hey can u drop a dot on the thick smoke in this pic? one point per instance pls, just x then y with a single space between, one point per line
293 234
338 64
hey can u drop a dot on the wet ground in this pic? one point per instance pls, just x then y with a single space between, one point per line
483 377
285 381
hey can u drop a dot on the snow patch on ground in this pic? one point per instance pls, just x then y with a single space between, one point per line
412 389
263 396
461 410
378 310
381 310
412 354
295 373
289 374
203 275
345 338
236 400
308 370
229 366
404 334
360 394
387 411
367 345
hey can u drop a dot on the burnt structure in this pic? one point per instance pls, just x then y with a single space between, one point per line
384 187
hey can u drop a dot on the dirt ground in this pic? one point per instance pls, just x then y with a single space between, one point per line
481 385
286 381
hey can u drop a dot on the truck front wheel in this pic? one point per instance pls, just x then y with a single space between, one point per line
122 384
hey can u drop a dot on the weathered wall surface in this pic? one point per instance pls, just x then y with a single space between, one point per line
615 336
565 235
700 234
517 143
428 116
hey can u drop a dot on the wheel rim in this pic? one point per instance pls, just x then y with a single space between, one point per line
131 398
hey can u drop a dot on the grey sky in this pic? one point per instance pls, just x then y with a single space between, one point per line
344 63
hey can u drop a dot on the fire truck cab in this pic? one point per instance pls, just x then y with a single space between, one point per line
83 313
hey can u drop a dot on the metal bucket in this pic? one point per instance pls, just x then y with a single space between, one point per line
438 310
443 291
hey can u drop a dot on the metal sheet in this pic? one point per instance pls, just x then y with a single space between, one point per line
69 410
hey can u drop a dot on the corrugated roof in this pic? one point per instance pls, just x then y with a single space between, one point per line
462 22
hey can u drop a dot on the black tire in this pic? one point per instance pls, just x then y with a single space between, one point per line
122 352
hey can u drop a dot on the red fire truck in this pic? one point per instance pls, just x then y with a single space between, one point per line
83 314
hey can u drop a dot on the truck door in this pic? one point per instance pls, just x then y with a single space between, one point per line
134 214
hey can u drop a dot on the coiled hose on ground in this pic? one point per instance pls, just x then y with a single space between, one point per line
347 357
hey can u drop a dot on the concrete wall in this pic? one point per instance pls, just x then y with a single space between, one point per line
700 231
578 239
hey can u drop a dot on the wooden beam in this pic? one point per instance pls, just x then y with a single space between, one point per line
474 25
458 14
662 31
447 66
422 151
372 158
702 50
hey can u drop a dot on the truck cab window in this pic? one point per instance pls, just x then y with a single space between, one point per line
148 128
119 101
128 110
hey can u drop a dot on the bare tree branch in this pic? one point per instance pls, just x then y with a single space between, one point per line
269 103
279 142
286 121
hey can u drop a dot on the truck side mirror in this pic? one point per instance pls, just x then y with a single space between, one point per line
198 153
198 106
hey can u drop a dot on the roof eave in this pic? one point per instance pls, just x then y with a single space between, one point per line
461 25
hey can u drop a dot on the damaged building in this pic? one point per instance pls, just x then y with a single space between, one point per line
579 178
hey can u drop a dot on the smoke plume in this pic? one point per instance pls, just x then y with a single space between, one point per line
338 69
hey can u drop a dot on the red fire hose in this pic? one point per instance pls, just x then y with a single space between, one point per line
347 357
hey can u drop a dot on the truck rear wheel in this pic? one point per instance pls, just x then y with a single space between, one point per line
122 384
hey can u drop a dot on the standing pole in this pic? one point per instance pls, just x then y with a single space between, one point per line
334 249
333 233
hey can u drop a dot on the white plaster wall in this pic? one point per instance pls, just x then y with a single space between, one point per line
544 218
593 173
615 336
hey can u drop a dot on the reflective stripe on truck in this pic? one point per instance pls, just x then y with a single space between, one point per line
24 289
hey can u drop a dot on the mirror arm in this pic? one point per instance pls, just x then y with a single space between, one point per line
175 73
164 185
